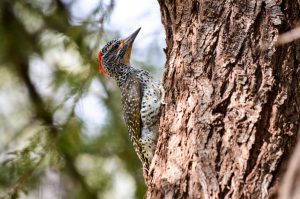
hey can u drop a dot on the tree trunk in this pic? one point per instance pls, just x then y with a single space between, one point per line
232 112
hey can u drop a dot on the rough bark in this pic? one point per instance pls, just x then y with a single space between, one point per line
232 112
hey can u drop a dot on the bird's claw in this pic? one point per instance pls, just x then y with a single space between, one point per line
163 94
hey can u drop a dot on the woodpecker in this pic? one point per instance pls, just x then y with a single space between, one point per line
141 95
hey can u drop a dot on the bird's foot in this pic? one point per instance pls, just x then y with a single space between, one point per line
145 173
163 94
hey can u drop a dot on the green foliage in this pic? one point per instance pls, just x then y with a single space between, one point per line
20 165
51 64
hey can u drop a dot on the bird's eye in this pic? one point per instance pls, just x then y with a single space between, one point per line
115 44
112 45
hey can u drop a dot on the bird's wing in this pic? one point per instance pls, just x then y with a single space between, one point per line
132 102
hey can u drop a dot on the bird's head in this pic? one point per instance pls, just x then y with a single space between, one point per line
116 52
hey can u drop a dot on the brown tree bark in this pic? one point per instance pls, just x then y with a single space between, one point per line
232 112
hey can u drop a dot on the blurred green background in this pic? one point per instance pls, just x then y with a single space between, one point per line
62 133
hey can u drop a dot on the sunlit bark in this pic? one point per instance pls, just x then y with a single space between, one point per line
232 112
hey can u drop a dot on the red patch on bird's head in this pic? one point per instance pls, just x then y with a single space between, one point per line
101 69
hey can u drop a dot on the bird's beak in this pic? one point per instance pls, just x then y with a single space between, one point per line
126 47
130 39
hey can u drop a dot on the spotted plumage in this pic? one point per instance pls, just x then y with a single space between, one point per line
141 95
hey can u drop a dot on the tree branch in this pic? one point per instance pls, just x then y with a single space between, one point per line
45 115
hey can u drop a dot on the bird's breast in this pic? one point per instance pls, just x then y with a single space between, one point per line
151 103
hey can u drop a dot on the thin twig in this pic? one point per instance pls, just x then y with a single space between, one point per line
288 37
288 189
